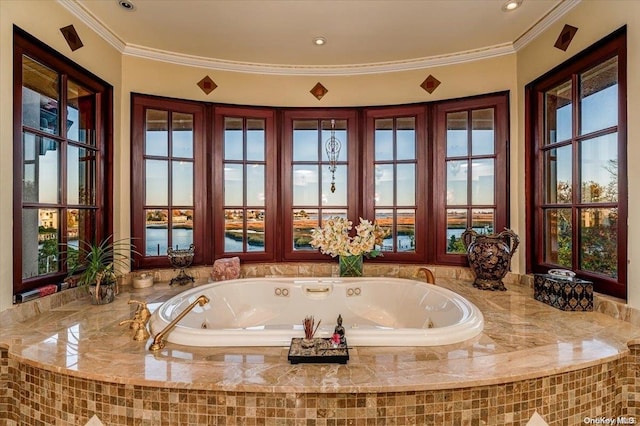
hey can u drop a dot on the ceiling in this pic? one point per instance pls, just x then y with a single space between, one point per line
278 34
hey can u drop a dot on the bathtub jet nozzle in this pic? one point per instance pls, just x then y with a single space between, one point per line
158 341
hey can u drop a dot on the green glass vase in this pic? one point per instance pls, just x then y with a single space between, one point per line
350 266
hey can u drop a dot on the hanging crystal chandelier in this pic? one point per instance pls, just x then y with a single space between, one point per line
332 147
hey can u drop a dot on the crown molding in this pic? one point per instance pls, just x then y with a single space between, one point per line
143 52
317 70
543 24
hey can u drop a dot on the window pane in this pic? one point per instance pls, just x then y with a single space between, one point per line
255 185
81 174
233 185
384 139
339 197
406 138
305 185
457 144
457 182
406 238
255 230
483 220
406 185
182 183
80 110
305 140
456 224
329 213
384 184
557 237
255 140
340 134
482 181
599 169
482 134
157 182
233 139
157 133
181 229
599 241
81 226
233 231
558 113
384 218
41 170
40 95
156 236
304 220
182 134
558 175
40 238
599 97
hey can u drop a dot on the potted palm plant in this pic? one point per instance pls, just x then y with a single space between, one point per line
97 263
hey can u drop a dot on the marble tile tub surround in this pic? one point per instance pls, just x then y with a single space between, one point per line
73 360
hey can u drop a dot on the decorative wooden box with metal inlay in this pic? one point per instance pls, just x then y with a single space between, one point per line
562 290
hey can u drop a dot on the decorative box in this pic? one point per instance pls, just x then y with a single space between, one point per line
563 292
320 351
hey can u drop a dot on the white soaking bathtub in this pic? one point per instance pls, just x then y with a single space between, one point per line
270 311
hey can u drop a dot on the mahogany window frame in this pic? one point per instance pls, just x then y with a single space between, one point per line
217 182
353 176
603 50
25 44
360 132
423 172
500 103
201 217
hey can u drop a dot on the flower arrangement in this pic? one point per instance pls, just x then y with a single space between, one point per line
334 238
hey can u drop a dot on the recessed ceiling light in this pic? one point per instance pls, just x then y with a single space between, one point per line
127 5
319 41
511 5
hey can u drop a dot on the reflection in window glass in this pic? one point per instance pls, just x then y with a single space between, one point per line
181 228
457 135
558 228
384 139
40 96
482 133
157 182
305 140
457 180
599 97
558 176
41 169
156 232
80 110
482 181
182 183
558 113
304 220
80 176
233 139
182 135
599 169
156 140
456 224
599 242
41 229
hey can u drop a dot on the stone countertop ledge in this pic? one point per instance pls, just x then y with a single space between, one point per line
522 339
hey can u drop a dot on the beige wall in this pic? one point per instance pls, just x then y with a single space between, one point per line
129 74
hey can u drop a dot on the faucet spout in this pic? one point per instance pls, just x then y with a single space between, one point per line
158 340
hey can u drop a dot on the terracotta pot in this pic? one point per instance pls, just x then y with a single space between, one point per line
490 257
